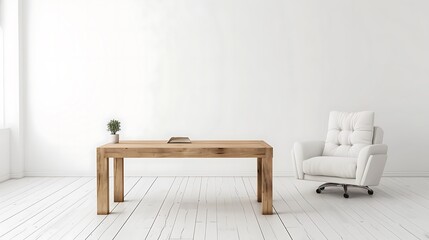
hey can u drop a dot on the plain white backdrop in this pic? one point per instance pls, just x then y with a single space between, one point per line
264 69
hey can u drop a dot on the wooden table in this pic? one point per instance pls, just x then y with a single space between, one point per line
197 149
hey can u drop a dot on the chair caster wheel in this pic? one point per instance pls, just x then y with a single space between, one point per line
370 192
346 195
322 188
318 191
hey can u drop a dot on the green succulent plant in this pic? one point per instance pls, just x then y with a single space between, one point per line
114 126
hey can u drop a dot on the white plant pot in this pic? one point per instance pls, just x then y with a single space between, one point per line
114 138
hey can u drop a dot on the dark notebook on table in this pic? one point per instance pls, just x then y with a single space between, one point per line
179 140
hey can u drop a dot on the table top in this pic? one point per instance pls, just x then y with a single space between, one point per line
195 144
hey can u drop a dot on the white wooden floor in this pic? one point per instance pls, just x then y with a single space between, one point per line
212 208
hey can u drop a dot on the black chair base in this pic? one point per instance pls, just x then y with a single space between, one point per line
344 186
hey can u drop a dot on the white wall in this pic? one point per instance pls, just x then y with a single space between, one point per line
264 69
4 155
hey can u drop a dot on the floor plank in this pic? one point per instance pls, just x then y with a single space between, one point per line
140 222
13 185
333 216
25 210
19 188
212 208
322 229
271 226
113 222
226 225
32 198
49 214
80 217
202 208
166 217
186 217
245 216
206 225
307 228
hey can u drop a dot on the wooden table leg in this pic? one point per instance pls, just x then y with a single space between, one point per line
267 183
119 180
259 189
102 183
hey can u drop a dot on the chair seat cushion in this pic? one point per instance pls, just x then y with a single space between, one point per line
344 167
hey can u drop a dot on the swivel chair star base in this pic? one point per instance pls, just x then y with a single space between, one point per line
345 187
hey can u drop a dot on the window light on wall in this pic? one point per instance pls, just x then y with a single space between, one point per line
1 80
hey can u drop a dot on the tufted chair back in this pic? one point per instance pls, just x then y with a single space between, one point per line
349 132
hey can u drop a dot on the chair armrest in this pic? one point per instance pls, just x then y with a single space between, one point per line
306 150
365 154
303 151
372 150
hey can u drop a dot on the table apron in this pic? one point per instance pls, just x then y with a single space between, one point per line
172 155
184 153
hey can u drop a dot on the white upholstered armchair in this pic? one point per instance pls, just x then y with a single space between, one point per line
352 155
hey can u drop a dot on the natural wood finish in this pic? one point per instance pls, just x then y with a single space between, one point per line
197 149
267 183
259 187
194 144
119 180
102 183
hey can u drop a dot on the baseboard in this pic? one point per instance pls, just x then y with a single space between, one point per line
17 175
405 174
202 173
4 177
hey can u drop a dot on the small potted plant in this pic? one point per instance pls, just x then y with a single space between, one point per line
113 127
